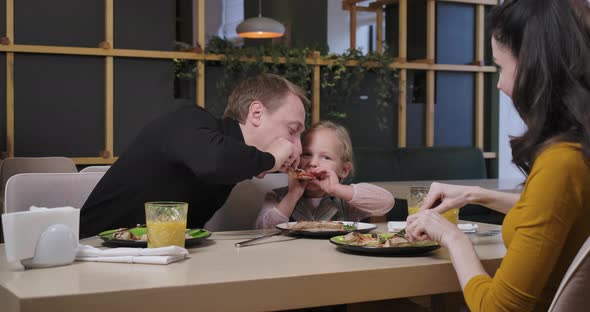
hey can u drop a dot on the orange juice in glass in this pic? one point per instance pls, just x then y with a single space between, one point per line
166 223
417 196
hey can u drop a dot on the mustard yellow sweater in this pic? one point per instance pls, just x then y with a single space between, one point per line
542 233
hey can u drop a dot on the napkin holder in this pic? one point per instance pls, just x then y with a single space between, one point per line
42 237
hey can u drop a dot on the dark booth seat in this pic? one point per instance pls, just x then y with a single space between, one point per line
424 163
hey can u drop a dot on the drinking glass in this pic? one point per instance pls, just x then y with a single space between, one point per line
166 223
417 196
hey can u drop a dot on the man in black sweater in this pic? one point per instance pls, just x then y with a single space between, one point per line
190 156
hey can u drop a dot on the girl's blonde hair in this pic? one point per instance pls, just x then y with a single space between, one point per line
347 155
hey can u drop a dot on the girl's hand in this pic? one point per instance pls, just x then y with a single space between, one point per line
297 187
327 179
429 225
447 196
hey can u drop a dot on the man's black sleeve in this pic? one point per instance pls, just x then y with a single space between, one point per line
217 158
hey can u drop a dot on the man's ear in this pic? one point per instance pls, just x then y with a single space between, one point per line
255 112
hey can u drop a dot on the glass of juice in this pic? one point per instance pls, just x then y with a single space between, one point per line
166 223
417 196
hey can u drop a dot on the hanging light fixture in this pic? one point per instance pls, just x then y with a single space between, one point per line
260 27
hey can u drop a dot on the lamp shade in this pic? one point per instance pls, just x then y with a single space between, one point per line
260 27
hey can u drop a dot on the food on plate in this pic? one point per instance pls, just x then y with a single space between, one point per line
126 234
300 174
321 226
381 240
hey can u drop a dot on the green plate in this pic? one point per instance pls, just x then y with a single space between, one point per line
418 248
198 236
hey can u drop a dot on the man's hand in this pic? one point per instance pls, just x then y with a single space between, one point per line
286 154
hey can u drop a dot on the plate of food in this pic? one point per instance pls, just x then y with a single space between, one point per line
137 237
382 244
325 229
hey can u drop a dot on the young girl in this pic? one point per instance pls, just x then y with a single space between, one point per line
327 153
543 50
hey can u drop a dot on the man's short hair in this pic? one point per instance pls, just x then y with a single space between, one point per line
268 89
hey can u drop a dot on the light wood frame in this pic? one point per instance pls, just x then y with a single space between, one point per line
107 49
430 66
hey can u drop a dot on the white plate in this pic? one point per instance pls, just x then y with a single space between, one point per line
361 227
396 226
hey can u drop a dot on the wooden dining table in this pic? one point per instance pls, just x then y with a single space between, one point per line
281 272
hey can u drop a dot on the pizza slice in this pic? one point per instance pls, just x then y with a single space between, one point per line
300 174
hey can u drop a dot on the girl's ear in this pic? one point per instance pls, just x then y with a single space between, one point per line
255 112
345 171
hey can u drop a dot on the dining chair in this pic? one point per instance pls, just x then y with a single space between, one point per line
16 165
95 169
49 190
241 208
572 294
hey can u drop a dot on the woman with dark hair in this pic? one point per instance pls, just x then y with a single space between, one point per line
542 49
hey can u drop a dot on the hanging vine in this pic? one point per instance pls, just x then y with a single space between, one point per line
339 80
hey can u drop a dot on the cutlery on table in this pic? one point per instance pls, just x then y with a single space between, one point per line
249 241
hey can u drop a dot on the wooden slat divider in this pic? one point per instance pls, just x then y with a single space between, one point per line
315 102
402 81
352 9
482 2
10 79
479 77
218 57
109 82
200 70
379 30
430 75
10 104
490 155
359 8
94 160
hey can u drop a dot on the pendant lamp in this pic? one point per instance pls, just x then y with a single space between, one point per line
260 27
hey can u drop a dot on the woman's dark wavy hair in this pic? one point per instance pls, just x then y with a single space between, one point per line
551 41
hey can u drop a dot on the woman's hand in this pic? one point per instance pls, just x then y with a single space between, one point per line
429 225
444 197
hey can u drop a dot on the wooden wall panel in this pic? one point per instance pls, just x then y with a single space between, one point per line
416 106
453 116
455 33
214 103
143 90
145 24
362 113
59 22
2 18
59 105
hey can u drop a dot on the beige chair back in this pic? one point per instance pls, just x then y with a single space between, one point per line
95 169
573 294
49 190
16 165
244 202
